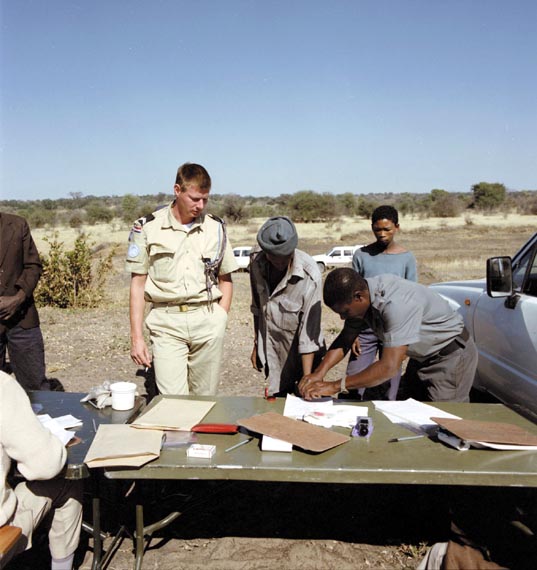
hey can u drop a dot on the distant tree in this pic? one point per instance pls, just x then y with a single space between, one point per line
309 206
234 208
444 204
129 208
488 195
365 207
96 212
347 204
76 221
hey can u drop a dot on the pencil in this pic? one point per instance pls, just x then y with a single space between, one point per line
407 437
239 444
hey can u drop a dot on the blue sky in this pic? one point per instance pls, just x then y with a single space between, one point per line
108 97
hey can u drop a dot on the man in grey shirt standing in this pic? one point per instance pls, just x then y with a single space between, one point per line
411 321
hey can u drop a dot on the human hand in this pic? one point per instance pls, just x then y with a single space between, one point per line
314 390
355 348
9 305
253 359
307 379
140 353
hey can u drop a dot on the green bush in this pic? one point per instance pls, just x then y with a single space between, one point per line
72 278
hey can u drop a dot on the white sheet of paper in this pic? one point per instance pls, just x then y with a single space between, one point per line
341 415
56 428
297 408
411 412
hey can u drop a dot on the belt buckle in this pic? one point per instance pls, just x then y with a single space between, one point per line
183 308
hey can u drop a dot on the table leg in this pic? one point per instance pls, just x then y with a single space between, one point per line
142 531
97 541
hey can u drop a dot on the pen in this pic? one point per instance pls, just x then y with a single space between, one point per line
405 438
239 444
94 426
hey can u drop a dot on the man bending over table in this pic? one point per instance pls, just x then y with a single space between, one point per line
411 321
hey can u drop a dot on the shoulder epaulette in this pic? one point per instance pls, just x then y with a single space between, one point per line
140 222
219 220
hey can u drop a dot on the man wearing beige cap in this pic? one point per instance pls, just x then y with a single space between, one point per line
286 304
181 262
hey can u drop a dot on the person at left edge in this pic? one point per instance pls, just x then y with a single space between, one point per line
20 333
181 262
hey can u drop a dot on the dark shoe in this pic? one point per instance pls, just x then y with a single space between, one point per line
55 385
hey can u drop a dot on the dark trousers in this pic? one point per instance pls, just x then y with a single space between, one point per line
441 378
26 356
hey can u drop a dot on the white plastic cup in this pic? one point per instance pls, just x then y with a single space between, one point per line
123 395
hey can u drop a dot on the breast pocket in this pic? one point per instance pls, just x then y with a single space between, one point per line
161 263
286 315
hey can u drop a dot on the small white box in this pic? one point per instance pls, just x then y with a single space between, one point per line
201 451
272 444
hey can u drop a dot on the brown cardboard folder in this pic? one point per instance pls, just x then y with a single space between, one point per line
489 432
301 434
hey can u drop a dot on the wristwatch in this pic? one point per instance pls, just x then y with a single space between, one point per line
342 387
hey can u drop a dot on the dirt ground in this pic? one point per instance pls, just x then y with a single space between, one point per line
245 525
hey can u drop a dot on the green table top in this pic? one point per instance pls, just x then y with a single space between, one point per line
374 460
57 404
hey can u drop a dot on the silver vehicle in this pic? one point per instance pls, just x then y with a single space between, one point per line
500 312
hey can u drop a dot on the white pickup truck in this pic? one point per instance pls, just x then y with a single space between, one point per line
338 256
501 315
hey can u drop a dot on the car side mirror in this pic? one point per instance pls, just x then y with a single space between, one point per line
499 277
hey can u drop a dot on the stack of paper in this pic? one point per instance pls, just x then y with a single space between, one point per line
59 426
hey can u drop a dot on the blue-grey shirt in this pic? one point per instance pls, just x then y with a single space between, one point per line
400 264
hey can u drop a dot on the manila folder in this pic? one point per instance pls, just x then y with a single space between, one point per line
118 445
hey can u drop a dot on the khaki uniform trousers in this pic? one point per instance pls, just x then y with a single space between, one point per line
35 499
187 347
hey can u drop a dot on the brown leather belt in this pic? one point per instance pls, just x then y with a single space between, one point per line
456 343
180 307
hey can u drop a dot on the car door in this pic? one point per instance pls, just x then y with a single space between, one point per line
506 336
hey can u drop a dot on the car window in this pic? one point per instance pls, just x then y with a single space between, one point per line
348 252
530 287
336 254
519 269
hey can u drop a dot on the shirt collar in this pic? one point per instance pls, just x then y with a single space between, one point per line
169 220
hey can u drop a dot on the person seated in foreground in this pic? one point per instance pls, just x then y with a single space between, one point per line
286 304
40 457
410 320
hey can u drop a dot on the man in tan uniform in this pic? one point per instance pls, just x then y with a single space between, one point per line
181 262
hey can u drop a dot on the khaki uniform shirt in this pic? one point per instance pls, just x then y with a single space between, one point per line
171 255
289 319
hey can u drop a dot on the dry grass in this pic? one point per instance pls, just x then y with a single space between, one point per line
445 248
